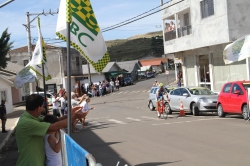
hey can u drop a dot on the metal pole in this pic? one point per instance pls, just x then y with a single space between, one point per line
6 3
69 79
89 74
44 91
28 35
205 78
60 67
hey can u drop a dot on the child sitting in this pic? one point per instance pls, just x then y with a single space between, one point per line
52 144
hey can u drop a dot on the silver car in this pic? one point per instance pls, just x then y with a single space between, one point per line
194 99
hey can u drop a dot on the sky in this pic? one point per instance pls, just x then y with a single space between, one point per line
108 13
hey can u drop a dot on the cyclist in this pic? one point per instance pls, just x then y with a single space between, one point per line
161 91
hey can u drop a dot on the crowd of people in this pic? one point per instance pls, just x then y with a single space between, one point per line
170 27
102 87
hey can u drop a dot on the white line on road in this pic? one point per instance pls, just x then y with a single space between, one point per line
99 118
144 91
150 118
184 121
138 120
119 92
116 121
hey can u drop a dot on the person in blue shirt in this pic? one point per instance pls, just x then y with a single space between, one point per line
3 116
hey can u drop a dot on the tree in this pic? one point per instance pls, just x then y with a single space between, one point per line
5 47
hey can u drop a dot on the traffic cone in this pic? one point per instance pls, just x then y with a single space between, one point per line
182 112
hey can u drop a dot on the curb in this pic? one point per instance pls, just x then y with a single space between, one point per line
10 133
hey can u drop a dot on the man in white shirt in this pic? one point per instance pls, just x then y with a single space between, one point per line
112 84
55 104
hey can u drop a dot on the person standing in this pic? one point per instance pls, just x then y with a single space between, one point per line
63 102
3 116
117 84
112 84
55 105
100 89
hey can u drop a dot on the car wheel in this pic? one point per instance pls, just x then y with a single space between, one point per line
151 106
220 111
245 112
195 109
168 109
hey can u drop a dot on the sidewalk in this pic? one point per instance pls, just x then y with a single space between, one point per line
12 119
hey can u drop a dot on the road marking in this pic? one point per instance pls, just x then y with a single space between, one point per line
116 121
185 121
119 92
132 92
99 118
126 92
150 118
138 120
144 91
149 91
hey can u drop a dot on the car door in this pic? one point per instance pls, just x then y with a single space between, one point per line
236 99
174 99
185 99
154 95
225 97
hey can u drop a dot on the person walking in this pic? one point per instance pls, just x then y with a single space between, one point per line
31 129
3 116
100 89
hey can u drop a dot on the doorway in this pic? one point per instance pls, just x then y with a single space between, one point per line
204 75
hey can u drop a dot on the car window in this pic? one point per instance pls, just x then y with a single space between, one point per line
201 91
246 85
172 92
226 88
177 92
236 87
155 90
183 90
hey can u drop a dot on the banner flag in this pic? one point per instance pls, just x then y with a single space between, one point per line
85 33
237 51
33 70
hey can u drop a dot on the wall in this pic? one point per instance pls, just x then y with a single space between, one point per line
5 86
205 31
16 95
238 18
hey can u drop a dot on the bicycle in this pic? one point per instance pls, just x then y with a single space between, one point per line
160 111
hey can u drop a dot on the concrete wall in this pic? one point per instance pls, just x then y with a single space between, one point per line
212 30
5 86
238 18
16 95
94 78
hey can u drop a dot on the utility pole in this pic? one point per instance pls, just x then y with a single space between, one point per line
6 3
29 41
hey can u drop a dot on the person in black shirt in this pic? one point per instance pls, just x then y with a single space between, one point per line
3 115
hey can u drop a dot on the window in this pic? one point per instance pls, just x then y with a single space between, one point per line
155 90
3 95
77 61
184 91
14 61
207 8
177 92
152 90
25 62
186 19
226 88
237 87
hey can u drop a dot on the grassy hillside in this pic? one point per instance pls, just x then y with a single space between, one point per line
136 47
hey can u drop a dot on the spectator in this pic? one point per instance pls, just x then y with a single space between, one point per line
100 89
63 102
168 27
30 131
52 144
55 104
93 89
112 84
61 92
85 109
117 84
83 89
172 26
3 115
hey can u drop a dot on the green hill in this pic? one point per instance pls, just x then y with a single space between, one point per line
135 47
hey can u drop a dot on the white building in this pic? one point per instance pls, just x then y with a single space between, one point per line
202 30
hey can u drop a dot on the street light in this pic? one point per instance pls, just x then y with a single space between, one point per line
6 3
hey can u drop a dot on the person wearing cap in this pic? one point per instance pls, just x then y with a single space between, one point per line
3 115
161 91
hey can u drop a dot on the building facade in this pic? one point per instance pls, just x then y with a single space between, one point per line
201 29
57 67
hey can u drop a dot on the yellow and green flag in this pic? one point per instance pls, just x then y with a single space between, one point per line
85 33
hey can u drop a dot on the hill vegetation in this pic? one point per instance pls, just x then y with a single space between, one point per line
136 47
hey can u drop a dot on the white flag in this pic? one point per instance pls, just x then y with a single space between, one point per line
237 51
85 33
33 70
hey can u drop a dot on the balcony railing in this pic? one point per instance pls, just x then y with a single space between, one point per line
182 31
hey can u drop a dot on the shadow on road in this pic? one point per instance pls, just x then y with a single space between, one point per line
156 163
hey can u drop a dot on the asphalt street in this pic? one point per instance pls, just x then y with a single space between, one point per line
122 129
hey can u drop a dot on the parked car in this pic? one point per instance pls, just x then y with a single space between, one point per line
152 98
150 75
142 75
233 99
128 81
194 99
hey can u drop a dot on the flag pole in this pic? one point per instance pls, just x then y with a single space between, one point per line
44 90
69 78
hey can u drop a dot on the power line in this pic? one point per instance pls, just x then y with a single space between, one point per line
118 25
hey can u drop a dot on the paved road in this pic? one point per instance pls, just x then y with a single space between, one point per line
123 129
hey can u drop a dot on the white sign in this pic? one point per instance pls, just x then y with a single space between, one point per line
167 72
